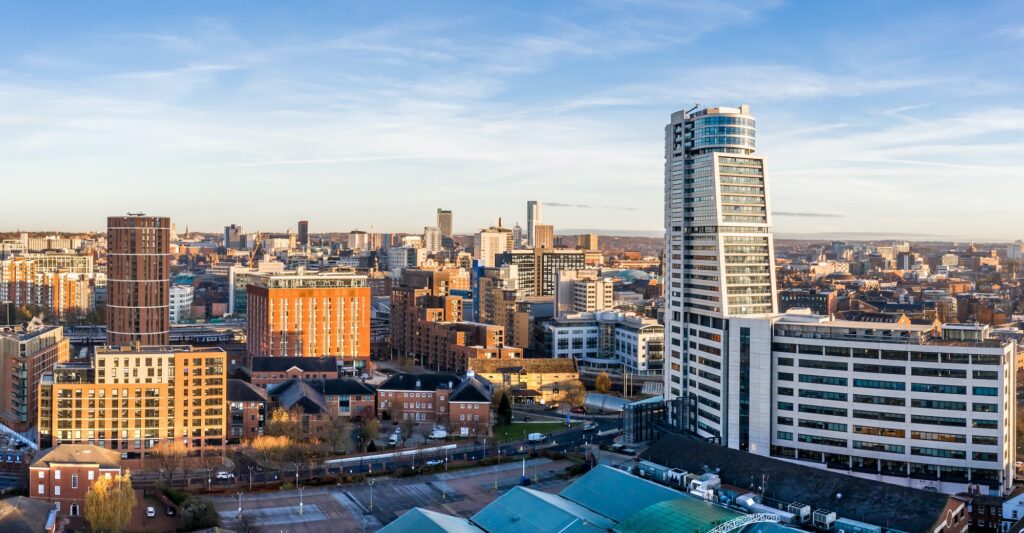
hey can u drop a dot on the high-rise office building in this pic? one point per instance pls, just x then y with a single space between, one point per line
544 236
537 268
138 280
432 239
719 255
303 232
532 219
233 238
444 222
490 242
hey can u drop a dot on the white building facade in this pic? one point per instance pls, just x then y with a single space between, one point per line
914 405
181 303
582 291
608 340
719 257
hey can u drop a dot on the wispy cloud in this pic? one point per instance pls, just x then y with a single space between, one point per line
585 206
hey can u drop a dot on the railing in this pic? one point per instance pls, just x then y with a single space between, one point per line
745 520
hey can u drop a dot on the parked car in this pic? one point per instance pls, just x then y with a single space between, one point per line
536 437
225 475
393 439
438 433
169 510
579 410
435 462
590 426
151 512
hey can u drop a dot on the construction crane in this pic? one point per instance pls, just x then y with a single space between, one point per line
256 249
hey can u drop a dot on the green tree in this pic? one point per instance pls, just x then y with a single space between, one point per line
198 513
109 503
504 409
603 383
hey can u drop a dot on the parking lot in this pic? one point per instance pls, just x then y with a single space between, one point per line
355 507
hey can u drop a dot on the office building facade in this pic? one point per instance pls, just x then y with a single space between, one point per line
444 222
533 217
582 291
138 280
537 268
25 355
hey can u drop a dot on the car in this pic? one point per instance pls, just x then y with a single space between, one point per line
579 410
435 462
551 407
590 426
225 475
536 437
169 511
438 434
151 512
393 439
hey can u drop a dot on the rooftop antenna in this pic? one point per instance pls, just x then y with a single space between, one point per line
695 106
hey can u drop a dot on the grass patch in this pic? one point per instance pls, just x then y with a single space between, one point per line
519 430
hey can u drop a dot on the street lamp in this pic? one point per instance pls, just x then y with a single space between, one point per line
239 494
250 478
300 501
371 492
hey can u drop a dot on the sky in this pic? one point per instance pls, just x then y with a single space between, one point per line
875 116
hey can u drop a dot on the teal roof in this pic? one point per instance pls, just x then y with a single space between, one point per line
616 494
681 514
528 511
425 521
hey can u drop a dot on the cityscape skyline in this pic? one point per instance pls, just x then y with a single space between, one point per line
244 105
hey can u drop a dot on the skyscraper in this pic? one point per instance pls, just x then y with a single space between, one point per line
444 222
719 256
303 232
532 219
233 238
138 280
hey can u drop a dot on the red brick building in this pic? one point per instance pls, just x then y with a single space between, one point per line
269 370
248 408
462 405
62 475
320 401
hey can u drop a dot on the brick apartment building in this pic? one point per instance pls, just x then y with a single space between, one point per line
310 314
130 398
450 345
25 355
64 474
248 408
320 401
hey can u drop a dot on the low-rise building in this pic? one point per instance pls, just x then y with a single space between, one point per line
460 404
269 370
318 402
248 407
62 475
608 340
529 380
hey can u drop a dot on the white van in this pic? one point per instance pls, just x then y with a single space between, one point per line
438 433
536 437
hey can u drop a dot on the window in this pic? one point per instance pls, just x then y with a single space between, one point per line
74 481
939 389
56 490
938 420
938 404
56 474
878 384
937 452
41 475
42 489
823 395
783 435
823 380
986 391
827 365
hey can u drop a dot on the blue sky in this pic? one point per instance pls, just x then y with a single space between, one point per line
888 117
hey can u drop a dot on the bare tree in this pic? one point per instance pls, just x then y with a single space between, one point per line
338 437
169 456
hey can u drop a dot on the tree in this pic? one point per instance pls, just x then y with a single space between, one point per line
604 383
198 513
283 422
575 392
109 503
372 447
169 456
496 397
369 431
504 409
268 450
406 428
338 437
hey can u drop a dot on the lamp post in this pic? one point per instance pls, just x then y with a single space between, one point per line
371 494
496 472
300 501
239 494
250 478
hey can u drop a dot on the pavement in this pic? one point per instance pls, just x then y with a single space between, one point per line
367 507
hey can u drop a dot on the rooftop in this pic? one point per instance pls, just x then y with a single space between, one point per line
243 391
893 506
78 453
156 349
20 514
420 382
305 364
545 365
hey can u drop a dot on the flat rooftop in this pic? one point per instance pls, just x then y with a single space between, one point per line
156 349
